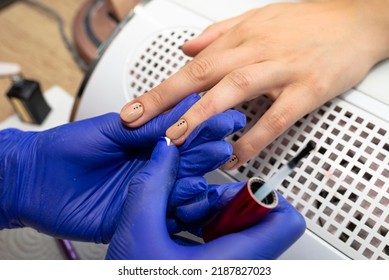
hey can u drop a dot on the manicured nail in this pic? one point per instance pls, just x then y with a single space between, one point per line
177 130
132 112
230 163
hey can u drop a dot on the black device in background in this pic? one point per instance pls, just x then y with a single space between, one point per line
4 3
27 99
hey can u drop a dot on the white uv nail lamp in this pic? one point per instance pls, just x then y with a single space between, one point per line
342 189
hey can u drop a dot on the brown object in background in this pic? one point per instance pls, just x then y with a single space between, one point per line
95 21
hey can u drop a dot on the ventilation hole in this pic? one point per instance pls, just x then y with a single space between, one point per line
339 219
346 208
323 194
382 132
384 201
295 190
321 112
367 176
386 250
317 204
335 131
351 153
377 212
355 245
308 170
381 156
370 126
358 215
353 197
346 137
344 237
328 211
319 176
363 234
368 253
332 229
334 200
364 134
285 184
310 215
357 143
383 231
306 197
329 141
375 140
342 190
369 150
370 223
355 169
302 180
351 226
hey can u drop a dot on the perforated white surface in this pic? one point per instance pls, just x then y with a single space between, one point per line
158 58
342 189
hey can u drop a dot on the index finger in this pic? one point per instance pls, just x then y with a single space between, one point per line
198 75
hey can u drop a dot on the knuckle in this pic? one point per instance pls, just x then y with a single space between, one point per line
245 149
156 98
199 69
239 80
319 88
203 111
277 122
316 85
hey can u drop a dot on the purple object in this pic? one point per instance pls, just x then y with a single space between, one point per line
68 249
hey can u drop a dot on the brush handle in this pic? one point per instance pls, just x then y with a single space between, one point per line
242 212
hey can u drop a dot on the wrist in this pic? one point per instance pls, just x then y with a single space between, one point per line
371 27
376 15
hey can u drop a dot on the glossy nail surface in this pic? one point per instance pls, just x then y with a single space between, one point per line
132 112
230 163
177 130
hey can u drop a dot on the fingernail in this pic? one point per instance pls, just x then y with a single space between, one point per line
230 163
132 112
177 130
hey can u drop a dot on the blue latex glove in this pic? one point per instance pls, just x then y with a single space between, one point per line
142 231
71 181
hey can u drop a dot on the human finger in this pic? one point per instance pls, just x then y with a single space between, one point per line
143 217
292 104
210 34
215 128
240 85
196 76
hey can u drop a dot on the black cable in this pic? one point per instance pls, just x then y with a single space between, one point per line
61 26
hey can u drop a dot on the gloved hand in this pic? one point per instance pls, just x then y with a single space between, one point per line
142 232
71 181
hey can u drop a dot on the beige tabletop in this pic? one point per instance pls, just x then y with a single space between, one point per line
30 38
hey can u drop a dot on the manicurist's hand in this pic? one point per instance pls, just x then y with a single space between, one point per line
71 181
298 54
142 231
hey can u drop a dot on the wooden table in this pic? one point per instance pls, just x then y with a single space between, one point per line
30 37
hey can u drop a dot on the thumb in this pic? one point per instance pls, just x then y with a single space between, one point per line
142 225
